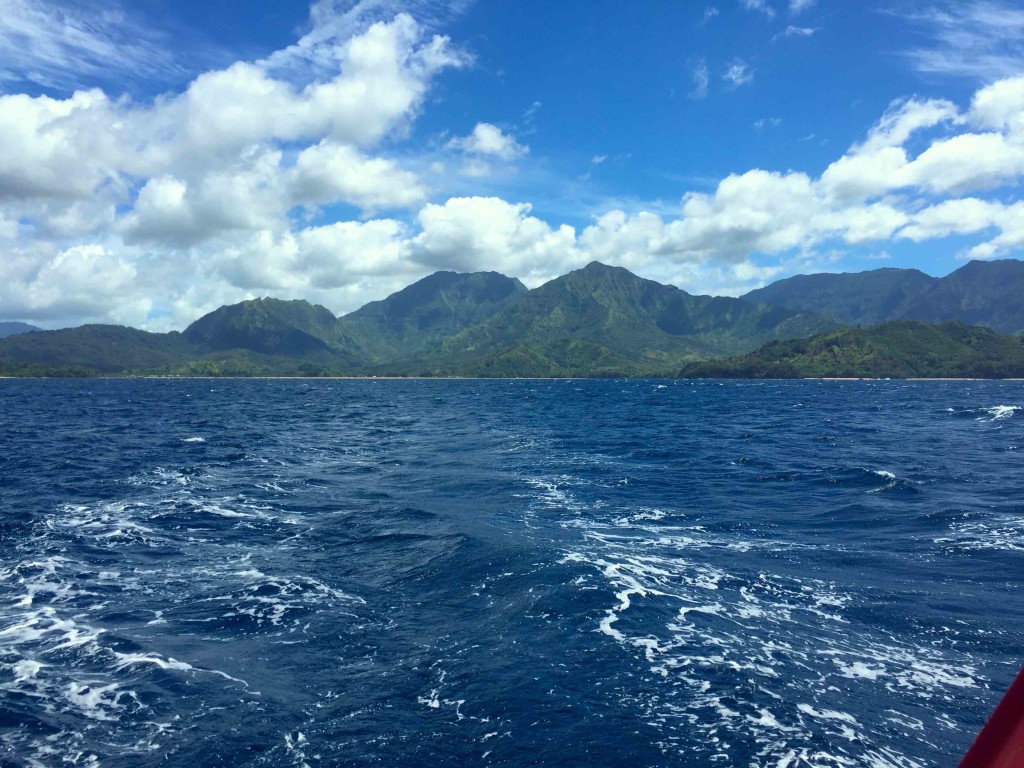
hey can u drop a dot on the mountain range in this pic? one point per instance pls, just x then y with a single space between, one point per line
895 349
985 293
595 321
12 329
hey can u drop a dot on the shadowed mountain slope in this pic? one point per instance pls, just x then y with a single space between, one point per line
988 293
603 320
854 298
897 349
422 315
8 328
269 326
99 348
596 321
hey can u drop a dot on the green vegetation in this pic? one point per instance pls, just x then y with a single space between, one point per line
272 327
899 349
12 329
855 298
418 318
597 322
985 293
103 349
602 321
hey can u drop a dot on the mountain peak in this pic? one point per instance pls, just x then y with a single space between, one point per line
266 325
10 328
597 268
421 314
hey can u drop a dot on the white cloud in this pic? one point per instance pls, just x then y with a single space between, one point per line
329 172
315 259
998 107
178 212
759 5
487 140
150 213
794 31
83 282
904 117
56 148
738 73
55 43
952 217
966 163
967 216
701 76
799 6
471 233
980 39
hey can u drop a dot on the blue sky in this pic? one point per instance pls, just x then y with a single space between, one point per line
165 158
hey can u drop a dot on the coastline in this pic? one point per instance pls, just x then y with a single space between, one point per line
500 378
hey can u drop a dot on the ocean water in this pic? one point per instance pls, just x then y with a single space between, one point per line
546 573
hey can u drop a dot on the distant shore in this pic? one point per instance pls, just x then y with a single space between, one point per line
499 378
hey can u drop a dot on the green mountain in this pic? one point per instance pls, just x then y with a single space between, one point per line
603 320
271 327
853 298
897 349
596 321
12 329
96 348
418 318
988 293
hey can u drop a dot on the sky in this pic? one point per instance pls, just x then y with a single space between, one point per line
159 159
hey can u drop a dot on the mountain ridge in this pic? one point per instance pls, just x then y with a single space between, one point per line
985 293
896 349
599 320
12 328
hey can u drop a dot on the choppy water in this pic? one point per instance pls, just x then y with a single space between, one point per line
321 573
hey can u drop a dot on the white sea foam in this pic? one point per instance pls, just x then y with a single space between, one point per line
859 669
1001 412
193 439
100 702
996 531
784 640
25 670
826 714
271 600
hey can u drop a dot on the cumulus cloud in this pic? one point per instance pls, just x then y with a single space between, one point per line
329 171
152 213
487 140
470 233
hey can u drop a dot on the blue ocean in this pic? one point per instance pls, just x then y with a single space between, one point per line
509 573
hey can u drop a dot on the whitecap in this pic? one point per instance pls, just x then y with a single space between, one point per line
1000 412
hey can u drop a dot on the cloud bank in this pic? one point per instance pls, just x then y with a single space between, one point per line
292 177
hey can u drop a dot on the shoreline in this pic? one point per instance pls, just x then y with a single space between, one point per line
490 378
